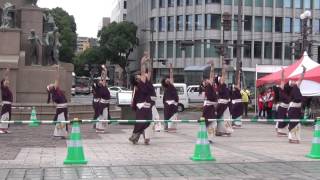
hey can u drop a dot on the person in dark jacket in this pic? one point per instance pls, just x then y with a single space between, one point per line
7 99
170 101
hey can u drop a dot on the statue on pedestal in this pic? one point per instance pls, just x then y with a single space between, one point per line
7 18
34 41
33 2
53 45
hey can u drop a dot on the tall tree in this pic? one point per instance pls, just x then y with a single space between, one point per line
117 42
67 29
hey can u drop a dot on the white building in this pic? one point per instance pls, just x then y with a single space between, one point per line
119 11
269 27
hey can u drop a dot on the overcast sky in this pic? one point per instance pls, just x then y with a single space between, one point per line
88 14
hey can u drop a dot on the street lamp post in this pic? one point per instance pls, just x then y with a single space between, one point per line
151 48
305 31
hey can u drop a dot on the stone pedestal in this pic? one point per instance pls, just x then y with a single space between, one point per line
10 41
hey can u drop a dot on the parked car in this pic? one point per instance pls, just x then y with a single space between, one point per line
82 85
182 92
193 94
115 89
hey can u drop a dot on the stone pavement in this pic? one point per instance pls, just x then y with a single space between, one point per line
253 152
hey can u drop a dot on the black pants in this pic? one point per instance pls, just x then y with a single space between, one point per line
140 127
245 108
269 113
263 112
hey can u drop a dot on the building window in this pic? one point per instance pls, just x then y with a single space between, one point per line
248 2
152 24
124 4
259 3
268 24
248 23
160 49
213 21
210 50
153 4
268 50
213 1
197 49
316 4
297 25
178 49
279 3
198 2
124 17
153 49
257 49
298 4
287 3
247 49
269 3
258 24
179 2
288 25
307 4
287 51
278 50
227 2
235 23
161 24
278 24
189 2
161 3
316 25
170 49
188 22
170 3
170 23
198 22
188 51
179 24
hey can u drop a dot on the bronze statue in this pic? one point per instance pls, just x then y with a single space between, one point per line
34 47
7 20
53 45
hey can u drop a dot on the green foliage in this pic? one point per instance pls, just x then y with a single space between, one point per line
67 29
117 39
89 56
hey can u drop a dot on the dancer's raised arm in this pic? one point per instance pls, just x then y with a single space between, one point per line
171 73
302 76
282 79
212 72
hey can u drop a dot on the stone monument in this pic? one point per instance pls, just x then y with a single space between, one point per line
29 45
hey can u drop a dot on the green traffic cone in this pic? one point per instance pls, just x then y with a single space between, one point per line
75 149
315 149
202 151
33 118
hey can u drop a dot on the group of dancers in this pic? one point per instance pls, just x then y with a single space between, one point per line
143 101
289 106
220 103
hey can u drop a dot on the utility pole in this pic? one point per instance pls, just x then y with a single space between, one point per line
305 31
239 39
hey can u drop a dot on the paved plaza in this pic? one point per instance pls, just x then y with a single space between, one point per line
253 152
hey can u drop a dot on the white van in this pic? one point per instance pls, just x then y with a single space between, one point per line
193 94
182 92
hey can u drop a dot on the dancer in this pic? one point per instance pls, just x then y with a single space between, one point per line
141 102
294 111
211 99
103 106
170 101
236 104
59 98
7 99
223 113
283 105
96 100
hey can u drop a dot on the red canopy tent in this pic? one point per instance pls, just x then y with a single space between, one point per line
293 72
